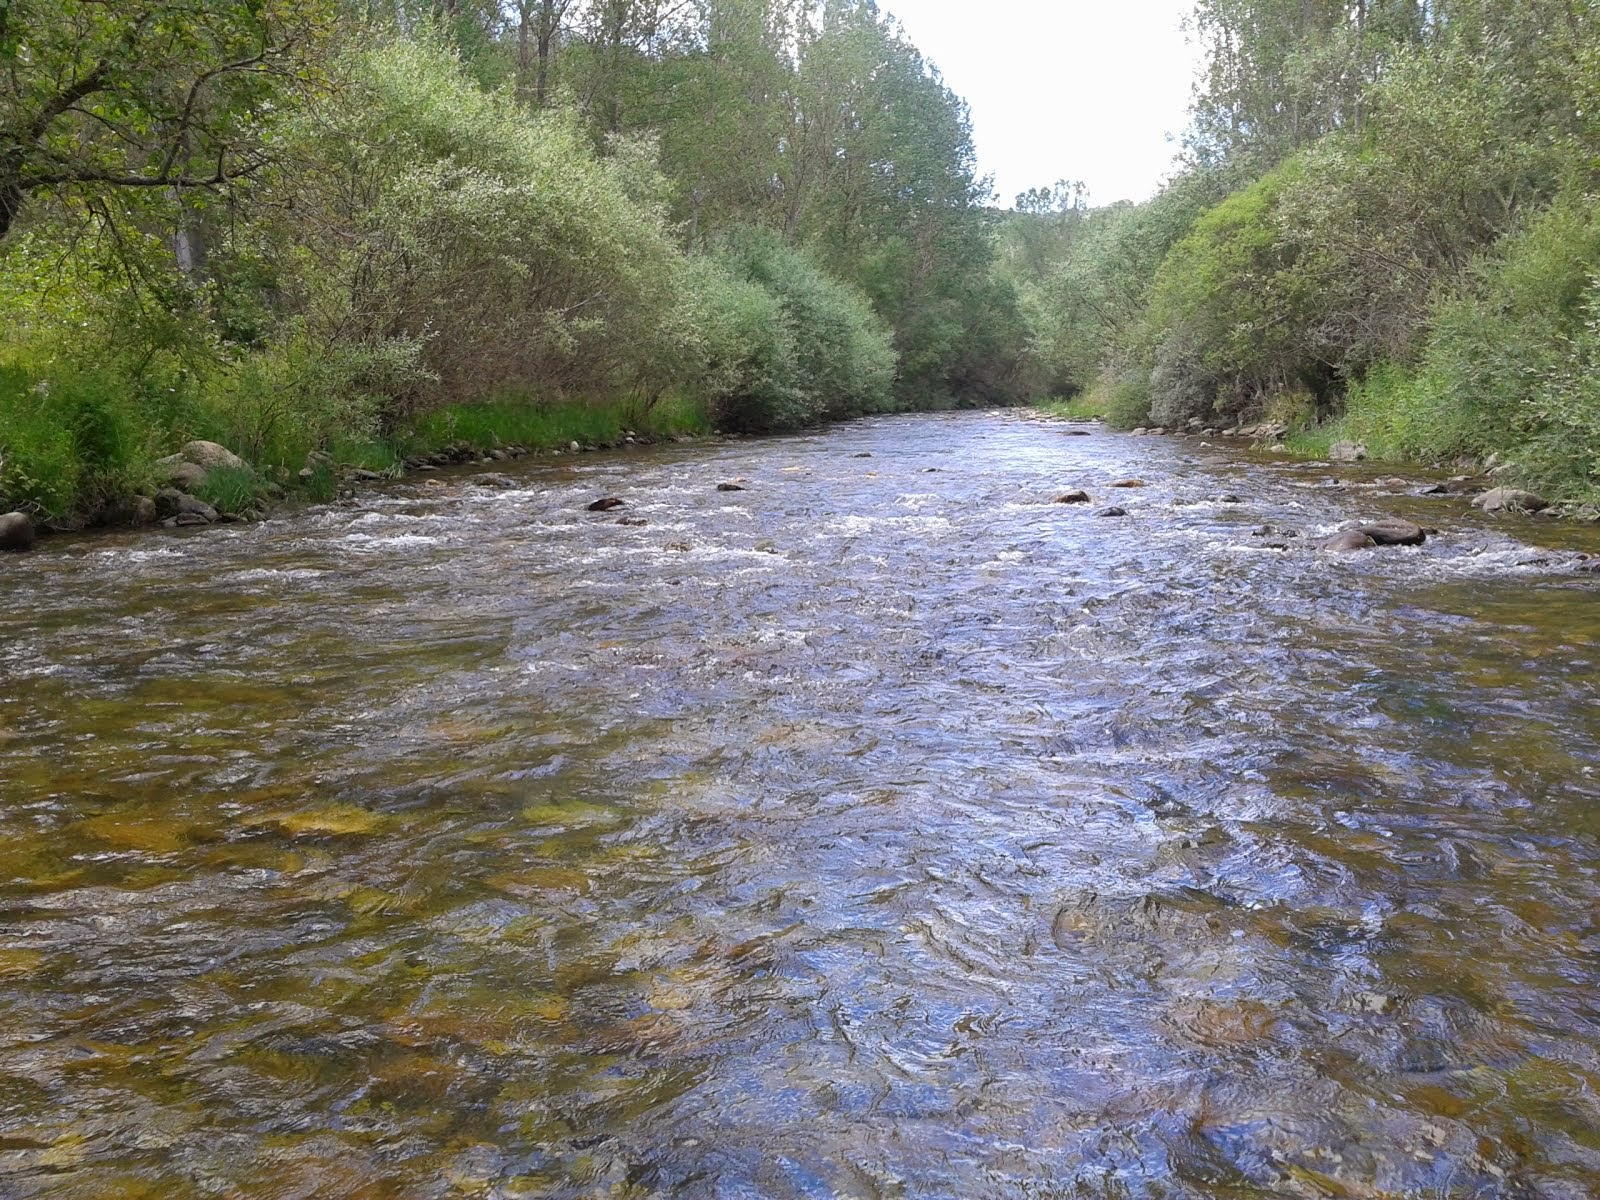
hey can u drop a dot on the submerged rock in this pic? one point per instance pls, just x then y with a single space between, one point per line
636 522
1504 499
1128 483
1113 511
730 487
1077 433
606 504
16 532
1076 496
863 454
1350 539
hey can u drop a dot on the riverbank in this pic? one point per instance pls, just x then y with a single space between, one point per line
204 482
1333 443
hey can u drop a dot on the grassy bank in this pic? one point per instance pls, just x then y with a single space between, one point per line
81 448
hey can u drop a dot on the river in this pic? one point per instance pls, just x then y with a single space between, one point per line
881 830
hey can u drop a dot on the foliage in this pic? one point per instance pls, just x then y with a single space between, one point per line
1387 225
829 357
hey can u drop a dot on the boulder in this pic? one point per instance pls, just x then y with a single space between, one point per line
730 487
573 448
170 502
1128 483
1350 539
1113 511
210 455
1077 496
180 472
606 504
1503 499
130 510
1347 452
16 532
1392 533
1140 431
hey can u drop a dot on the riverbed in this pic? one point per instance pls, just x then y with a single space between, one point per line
883 829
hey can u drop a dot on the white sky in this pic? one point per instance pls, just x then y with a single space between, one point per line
1064 89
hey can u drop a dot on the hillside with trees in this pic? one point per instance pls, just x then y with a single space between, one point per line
343 229
1386 230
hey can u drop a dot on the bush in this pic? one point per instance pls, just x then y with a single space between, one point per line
495 240
792 346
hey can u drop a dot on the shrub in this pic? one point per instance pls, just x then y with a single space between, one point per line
820 354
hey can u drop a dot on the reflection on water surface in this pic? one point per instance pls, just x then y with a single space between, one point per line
879 831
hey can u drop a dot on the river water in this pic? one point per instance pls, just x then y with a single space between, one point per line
881 830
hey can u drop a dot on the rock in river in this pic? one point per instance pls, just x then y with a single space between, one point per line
1076 496
1393 533
730 487
606 504
1502 499
16 532
1128 483
1113 511
1350 539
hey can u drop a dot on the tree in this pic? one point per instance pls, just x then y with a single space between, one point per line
142 94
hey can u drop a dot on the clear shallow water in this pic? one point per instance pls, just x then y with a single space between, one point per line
883 830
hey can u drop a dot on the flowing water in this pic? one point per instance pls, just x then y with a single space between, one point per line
881 830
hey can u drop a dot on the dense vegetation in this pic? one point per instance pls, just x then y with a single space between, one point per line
310 225
1386 230
372 226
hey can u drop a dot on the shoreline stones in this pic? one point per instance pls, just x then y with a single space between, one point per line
16 532
1347 452
1504 499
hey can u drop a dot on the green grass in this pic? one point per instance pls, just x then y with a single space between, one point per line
71 441
231 490
551 426
1085 406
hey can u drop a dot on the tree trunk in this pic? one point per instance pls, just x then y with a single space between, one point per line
549 18
11 194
